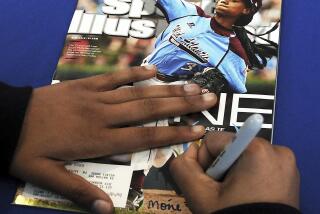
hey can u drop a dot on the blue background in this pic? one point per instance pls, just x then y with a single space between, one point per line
32 34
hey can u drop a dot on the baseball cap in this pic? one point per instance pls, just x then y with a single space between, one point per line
255 5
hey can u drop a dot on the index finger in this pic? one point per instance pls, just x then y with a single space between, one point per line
109 81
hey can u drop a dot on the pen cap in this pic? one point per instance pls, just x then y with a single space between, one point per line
252 125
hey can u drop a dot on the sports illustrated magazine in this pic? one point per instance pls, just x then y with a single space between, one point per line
187 43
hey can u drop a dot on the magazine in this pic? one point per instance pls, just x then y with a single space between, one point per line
187 45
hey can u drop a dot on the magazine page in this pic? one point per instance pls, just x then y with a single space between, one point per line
188 45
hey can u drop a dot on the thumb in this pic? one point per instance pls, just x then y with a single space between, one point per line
75 188
196 186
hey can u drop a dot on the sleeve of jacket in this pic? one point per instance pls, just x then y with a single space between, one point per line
13 105
174 9
261 208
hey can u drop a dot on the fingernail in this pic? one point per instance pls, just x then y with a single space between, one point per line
210 97
191 88
197 129
102 207
150 67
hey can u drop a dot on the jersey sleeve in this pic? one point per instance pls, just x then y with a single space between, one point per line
174 9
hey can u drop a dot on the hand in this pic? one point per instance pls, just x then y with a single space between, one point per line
89 118
263 173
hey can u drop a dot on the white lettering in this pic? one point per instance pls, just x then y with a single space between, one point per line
117 27
222 107
116 7
142 29
98 24
136 9
75 22
235 108
86 23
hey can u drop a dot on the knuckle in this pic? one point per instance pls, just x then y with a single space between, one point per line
135 73
288 156
258 149
175 90
148 137
174 132
136 69
135 92
149 107
191 102
288 161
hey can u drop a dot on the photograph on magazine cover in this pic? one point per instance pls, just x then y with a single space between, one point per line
192 41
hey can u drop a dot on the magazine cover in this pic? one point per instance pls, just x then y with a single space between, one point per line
188 45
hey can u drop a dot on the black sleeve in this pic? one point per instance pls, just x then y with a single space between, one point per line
13 104
261 208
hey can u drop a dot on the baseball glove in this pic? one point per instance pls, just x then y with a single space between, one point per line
211 80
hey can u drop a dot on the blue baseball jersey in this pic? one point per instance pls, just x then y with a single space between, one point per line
193 41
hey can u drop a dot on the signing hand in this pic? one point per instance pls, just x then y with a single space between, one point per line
263 173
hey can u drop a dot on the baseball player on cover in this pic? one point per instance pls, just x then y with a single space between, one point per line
194 42
202 49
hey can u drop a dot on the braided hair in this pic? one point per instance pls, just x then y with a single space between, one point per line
257 53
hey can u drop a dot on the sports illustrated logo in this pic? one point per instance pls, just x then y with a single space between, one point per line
191 46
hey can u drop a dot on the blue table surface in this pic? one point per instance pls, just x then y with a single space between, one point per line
32 36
